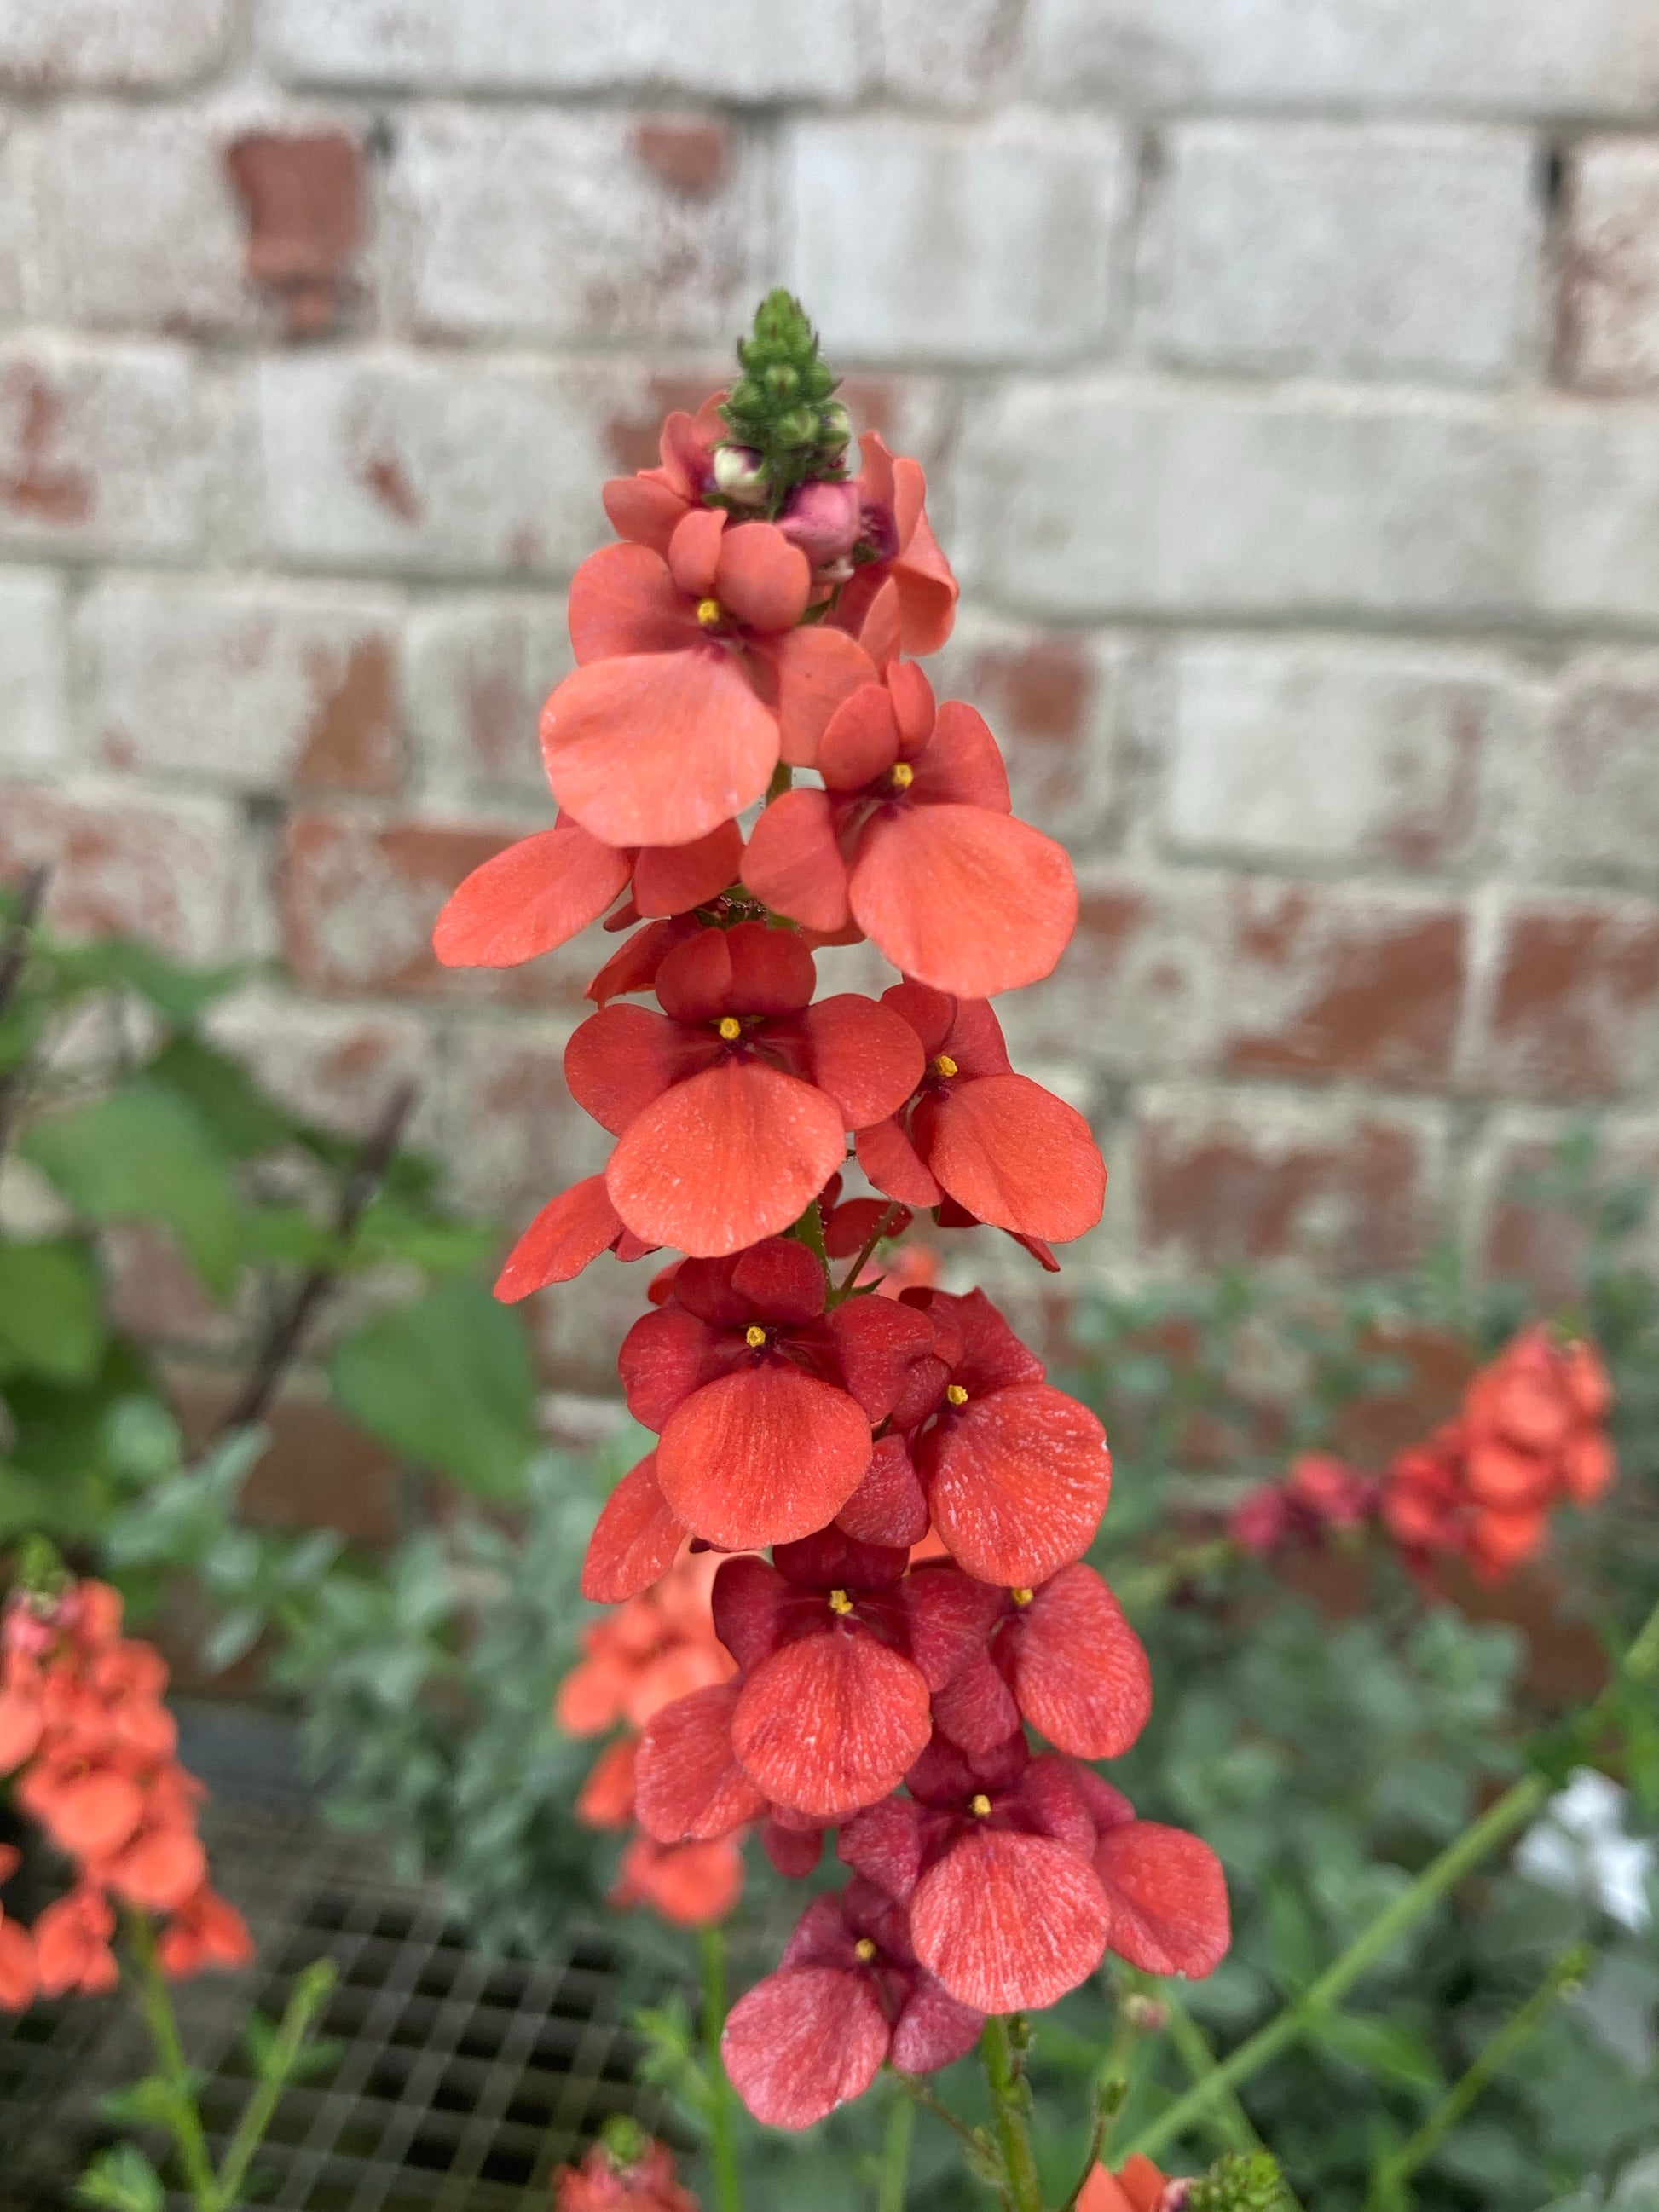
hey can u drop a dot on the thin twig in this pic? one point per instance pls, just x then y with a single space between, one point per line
287 1334
311 1993
13 960
930 2103
723 2148
1097 2144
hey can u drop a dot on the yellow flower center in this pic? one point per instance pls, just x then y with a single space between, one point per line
840 1602
864 1949
902 775
979 1806
1022 1596
944 1065
710 613
754 1336
732 1029
956 1395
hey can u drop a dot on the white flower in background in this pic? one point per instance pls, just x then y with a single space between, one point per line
1579 1846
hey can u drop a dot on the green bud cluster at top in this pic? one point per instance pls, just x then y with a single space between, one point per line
1243 2181
782 405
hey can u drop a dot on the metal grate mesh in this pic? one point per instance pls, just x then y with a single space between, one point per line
465 2079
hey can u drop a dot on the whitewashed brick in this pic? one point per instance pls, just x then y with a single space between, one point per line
33 706
1610 273
730 50
1586 803
563 227
100 449
957 56
1471 57
479 670
956 243
1317 749
337 1066
255 688
1101 497
1407 251
48 43
138 227
391 462
175 870
1596 555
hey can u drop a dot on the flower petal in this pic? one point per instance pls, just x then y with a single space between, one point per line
934 2029
1017 1156
690 1885
606 1800
749 1602
971 901
1080 1671
689 1786
772 971
779 1280
803 2041
812 671
976 1708
831 1722
665 1356
794 1852
894 1165
635 1539
1168 1898
883 1843
643 510
538 893
671 879
569 1231
1009 1922
622 601
880 1343
794 863
861 740
694 978
694 551
619 1061
657 748
763 579
762 1456
890 1505
927 591
949 1615
734 1155
864 1055
1018 1482
960 762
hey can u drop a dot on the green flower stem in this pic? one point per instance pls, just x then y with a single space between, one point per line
1513 1810
722 2141
163 2025
310 1994
1387 2184
883 1222
1231 2121
1024 2191
896 2153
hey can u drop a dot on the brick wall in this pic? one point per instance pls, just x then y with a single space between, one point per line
1287 371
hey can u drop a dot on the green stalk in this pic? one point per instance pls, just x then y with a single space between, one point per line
810 1230
311 1993
896 2153
722 2141
1231 2122
163 2025
1390 2178
1025 2192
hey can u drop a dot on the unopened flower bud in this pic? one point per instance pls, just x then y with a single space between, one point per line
823 519
781 382
799 427
740 477
1146 2015
834 427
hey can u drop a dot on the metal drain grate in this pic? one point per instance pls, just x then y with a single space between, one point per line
465 2079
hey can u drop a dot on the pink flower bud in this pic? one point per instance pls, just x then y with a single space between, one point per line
823 519
740 477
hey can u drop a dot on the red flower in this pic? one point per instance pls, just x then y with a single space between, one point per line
1165 1888
605 2183
731 1105
649 506
832 1712
692 1885
913 839
1005 1148
657 1647
72 1945
847 1995
689 1786
692 679
19 1973
1137 2186
902 596
1320 1494
204 1931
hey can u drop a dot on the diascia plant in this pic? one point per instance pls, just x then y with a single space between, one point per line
763 617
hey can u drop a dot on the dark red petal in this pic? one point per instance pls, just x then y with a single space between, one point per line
794 864
1168 1898
991 1356
950 1618
749 1603
802 2042
880 1342
864 1055
619 1061
1108 1808
890 1506
734 1155
976 1708
1017 1156
961 763
821 1937
831 1559
772 971
883 1843
968 901
669 878
1080 1672
633 966
764 1455
831 1722
570 1231
930 1013
1048 1800
848 1228
794 1852
694 980
894 1165
538 893
1009 1922
665 1357
860 741
635 1539
704 1287
689 1786
779 1280
932 2029
1017 1483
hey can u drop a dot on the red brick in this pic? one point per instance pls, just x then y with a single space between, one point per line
688 153
1254 1178
303 195
1574 1000
1589 810
1520 1233
99 448
175 873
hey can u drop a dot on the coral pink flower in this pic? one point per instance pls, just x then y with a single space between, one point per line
204 1931
648 507
832 1711
72 1945
847 1996
692 681
656 1649
604 2183
903 591
19 1974
913 838
1137 2186
570 1231
731 1106
689 1786
692 1885
22 1709
1320 1493
1007 1150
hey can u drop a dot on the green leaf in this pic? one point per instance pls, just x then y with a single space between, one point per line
447 1382
121 2180
142 1154
220 1091
151 2103
1381 2048
182 994
49 1322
